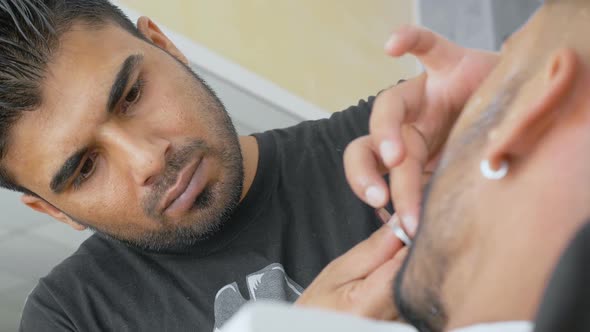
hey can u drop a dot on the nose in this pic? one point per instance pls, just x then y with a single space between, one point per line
148 160
145 157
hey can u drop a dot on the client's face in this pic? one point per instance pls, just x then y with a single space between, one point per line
450 210
452 225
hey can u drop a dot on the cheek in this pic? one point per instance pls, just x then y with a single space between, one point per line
177 103
178 112
177 122
111 201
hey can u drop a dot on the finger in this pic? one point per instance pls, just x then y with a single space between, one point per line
383 215
385 274
433 50
365 257
391 109
407 181
364 173
376 291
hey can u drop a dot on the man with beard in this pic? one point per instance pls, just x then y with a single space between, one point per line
104 126
510 190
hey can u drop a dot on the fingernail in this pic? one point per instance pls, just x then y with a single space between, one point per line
391 42
393 221
375 196
389 152
410 224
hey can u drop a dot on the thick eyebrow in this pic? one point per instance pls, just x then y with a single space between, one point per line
122 79
67 170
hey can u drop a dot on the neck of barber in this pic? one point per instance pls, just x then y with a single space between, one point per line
527 218
249 148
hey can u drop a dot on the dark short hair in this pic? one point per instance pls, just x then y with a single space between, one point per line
29 35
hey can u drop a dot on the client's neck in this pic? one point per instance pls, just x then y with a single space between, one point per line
506 279
503 289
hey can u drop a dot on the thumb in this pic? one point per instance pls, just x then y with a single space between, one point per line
366 256
377 288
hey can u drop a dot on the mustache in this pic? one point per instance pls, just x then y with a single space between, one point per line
174 164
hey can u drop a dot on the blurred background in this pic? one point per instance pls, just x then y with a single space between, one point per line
273 63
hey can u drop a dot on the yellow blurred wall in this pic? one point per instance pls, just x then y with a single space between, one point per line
329 52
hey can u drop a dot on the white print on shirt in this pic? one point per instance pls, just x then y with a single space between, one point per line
270 283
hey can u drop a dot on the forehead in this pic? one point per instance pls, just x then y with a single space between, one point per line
74 92
86 59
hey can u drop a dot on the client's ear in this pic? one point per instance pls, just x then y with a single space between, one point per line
40 205
152 32
535 108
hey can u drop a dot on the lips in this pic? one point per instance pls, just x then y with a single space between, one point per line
189 184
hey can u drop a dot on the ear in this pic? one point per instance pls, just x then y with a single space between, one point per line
534 109
40 205
153 33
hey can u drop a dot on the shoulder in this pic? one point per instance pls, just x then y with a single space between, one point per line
48 304
336 131
92 253
94 258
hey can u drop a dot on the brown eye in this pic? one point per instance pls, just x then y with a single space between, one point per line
86 171
88 167
132 96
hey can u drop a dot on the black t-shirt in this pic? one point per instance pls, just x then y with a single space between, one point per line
298 215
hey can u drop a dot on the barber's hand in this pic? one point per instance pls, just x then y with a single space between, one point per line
360 281
411 122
